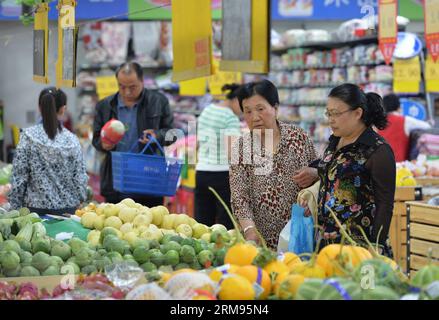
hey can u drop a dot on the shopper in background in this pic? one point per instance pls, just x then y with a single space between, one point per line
261 179
143 112
217 124
49 175
357 170
398 131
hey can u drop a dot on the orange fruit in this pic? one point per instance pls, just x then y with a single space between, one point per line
256 275
219 272
289 286
241 254
275 268
308 271
236 287
290 259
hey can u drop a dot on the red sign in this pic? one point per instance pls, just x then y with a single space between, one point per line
387 27
431 24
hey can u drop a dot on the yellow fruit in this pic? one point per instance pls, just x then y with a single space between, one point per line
130 237
409 182
192 222
308 271
219 272
100 210
88 219
181 219
275 268
127 214
79 212
110 210
93 237
259 276
281 277
331 257
241 254
168 222
126 227
289 286
114 222
184 229
236 287
206 237
142 220
289 259
99 222
199 229
129 203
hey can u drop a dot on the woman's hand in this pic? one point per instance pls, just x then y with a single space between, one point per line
305 177
251 235
304 204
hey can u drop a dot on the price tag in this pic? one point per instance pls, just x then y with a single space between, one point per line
407 70
431 75
105 86
194 87
220 78
431 12
387 27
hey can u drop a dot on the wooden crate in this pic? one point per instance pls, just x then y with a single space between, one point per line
398 226
422 234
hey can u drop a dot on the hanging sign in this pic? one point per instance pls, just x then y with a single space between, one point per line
67 41
41 43
431 75
106 86
431 12
220 78
388 28
258 18
192 39
406 75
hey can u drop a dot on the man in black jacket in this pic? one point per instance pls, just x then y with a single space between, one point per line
143 112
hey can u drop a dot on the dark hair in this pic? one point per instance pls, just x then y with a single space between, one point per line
50 102
391 102
232 90
264 88
371 103
128 67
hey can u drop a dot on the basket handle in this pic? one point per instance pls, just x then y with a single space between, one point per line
148 145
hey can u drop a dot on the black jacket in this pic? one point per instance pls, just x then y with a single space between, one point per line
153 112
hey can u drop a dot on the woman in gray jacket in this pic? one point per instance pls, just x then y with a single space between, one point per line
49 175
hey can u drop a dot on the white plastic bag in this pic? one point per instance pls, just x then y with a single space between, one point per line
284 238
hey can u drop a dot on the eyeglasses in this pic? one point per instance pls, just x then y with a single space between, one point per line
335 114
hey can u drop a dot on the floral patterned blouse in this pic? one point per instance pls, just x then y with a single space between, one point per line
358 184
263 189
48 174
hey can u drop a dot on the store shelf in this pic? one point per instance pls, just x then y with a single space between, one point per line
329 45
97 67
329 84
331 66
305 103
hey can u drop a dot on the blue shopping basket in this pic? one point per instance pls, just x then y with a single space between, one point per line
138 173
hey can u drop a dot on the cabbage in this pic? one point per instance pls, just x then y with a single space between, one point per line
29 271
41 261
9 260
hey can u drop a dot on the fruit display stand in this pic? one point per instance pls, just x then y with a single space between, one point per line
422 235
398 227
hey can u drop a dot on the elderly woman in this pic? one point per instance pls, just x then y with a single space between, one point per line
263 164
357 170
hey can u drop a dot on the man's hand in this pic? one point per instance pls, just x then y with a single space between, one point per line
145 139
305 177
107 146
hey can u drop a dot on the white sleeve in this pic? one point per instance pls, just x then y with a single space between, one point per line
411 124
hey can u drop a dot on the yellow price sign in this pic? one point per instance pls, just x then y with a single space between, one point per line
431 75
105 86
220 78
407 70
431 16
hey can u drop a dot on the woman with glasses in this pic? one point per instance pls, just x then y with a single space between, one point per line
263 164
357 170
